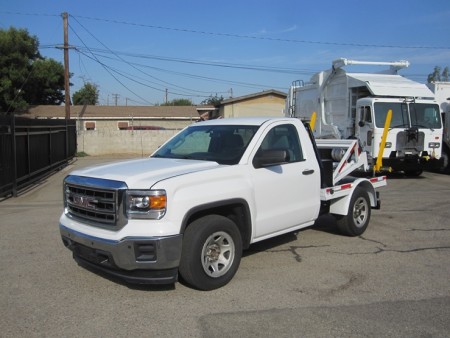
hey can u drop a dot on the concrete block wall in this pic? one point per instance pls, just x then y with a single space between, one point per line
108 142
108 139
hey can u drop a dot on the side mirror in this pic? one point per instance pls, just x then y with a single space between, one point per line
268 158
361 123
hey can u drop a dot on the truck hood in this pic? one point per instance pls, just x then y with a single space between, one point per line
144 173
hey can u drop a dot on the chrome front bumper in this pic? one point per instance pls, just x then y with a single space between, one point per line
143 260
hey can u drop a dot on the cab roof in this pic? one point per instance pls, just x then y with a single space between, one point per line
251 121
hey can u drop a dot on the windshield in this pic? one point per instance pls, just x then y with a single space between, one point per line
425 115
421 115
222 144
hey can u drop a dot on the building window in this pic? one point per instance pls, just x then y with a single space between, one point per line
122 125
89 125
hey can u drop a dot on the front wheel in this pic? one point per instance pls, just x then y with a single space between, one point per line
212 250
445 169
358 215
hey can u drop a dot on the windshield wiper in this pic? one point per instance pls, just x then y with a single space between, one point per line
399 126
422 126
170 156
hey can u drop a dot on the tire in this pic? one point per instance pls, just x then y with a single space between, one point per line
358 216
445 169
413 173
212 250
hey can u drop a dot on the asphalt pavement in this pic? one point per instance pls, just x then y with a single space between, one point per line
393 281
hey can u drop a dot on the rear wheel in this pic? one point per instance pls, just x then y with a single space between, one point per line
212 250
413 173
358 215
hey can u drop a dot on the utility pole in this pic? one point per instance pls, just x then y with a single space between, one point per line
66 66
115 97
167 94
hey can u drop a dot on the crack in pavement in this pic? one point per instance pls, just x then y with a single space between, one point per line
372 240
383 247
293 250
382 250
353 280
428 230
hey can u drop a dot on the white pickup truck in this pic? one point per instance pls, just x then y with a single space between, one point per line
207 194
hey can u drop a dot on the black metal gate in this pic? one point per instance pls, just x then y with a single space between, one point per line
31 148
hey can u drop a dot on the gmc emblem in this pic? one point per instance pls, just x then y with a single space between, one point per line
84 201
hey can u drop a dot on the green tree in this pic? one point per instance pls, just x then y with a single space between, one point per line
445 74
26 77
437 76
178 102
86 95
213 100
46 83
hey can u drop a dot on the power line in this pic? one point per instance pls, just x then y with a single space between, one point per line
244 36
211 63
280 70
132 65
133 78
122 84
233 35
117 55
30 14
244 84
96 53
125 61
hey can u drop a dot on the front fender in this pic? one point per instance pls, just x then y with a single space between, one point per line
211 189
236 209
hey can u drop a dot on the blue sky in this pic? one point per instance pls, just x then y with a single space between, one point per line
138 49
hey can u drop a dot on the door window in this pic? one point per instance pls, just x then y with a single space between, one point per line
365 114
284 137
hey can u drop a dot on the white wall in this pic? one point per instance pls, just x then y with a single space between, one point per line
107 142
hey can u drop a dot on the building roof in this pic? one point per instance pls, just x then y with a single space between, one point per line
124 112
127 112
272 92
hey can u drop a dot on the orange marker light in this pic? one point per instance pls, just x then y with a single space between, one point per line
158 202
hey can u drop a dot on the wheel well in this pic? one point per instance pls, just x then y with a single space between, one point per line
370 191
235 210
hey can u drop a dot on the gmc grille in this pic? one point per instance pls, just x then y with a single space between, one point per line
93 204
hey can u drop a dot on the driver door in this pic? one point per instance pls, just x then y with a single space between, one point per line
287 195
365 128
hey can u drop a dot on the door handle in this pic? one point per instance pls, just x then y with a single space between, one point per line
308 172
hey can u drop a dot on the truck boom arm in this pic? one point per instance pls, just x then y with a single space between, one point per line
395 65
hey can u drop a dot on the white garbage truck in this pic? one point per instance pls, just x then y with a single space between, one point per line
355 105
441 91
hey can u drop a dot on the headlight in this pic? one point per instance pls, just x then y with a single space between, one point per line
146 204
434 145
